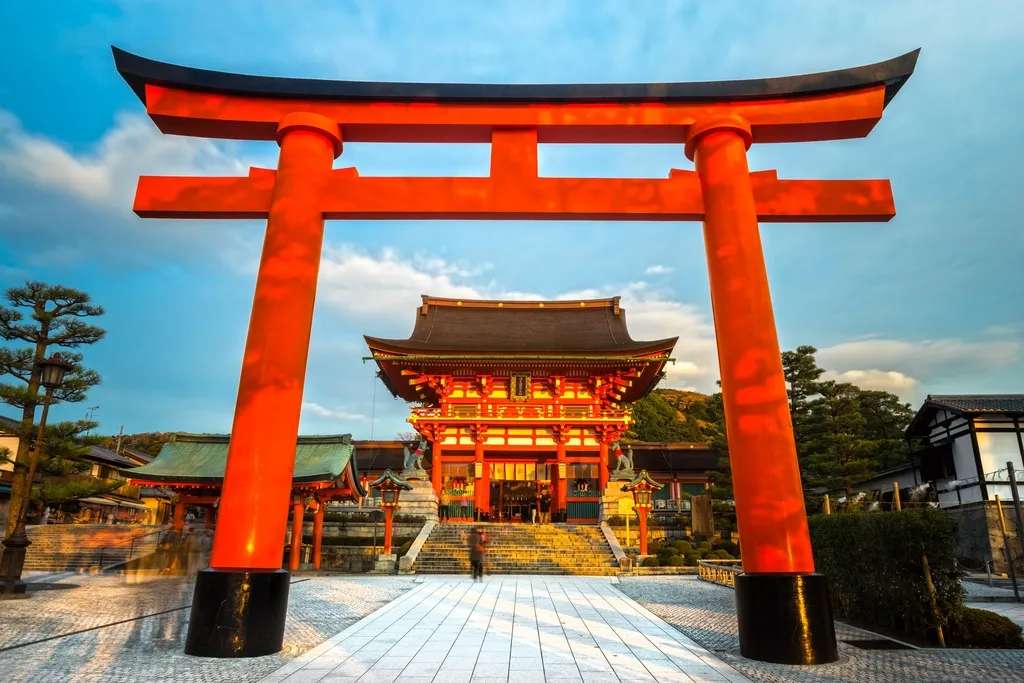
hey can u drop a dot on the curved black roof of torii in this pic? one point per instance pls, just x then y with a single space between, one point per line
138 71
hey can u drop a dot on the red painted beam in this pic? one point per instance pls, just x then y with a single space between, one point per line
349 196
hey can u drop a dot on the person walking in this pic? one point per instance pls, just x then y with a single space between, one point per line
477 552
545 508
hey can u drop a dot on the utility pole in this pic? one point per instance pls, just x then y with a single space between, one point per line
120 433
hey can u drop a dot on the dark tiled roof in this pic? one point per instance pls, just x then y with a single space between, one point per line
9 424
965 404
377 456
980 403
109 457
673 457
520 328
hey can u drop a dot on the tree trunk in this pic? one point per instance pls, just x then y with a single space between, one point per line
21 488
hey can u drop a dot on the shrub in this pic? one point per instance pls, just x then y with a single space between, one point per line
981 628
691 559
675 561
650 562
874 564
682 546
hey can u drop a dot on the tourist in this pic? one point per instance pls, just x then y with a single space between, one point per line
477 552
545 509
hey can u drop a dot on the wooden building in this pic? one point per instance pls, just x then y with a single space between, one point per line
520 400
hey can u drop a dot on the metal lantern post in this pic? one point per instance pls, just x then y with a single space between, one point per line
390 487
642 487
51 376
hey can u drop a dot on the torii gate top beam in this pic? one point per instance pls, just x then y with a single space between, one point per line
823 106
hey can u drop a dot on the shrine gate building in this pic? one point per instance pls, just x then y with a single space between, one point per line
520 401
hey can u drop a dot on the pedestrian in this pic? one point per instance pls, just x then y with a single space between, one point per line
477 552
545 509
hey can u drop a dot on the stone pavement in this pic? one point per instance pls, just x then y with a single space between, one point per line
80 627
707 613
509 628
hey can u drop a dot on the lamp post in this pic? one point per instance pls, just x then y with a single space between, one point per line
642 486
51 376
390 487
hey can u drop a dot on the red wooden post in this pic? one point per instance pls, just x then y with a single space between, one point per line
178 523
318 533
389 512
602 468
783 607
436 466
297 512
642 514
762 452
561 485
261 455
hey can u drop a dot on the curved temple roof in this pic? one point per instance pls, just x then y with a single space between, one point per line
520 328
138 71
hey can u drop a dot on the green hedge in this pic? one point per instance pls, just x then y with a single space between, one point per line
873 562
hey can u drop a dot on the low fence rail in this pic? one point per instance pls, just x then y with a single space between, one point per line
722 572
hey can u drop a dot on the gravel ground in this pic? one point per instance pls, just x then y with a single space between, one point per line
148 646
706 613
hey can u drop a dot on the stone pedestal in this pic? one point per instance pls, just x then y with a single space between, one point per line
617 502
385 564
421 500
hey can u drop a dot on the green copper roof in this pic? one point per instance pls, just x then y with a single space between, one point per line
201 458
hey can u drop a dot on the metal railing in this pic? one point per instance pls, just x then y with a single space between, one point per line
106 550
722 572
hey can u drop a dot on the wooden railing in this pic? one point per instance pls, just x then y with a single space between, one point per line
722 572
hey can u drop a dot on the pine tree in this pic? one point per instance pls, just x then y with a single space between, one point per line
57 316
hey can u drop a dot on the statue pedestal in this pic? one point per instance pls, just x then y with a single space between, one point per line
420 501
615 501
385 564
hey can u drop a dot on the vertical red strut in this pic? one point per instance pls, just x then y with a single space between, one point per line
766 475
261 456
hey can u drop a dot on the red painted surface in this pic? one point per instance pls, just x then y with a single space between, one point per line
642 514
766 476
258 476
178 523
318 534
296 549
389 514
304 190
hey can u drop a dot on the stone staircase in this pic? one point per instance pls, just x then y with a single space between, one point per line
78 547
519 549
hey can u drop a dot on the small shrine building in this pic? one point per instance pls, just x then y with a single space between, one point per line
520 401
192 466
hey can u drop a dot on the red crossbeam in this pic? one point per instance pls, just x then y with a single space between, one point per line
349 196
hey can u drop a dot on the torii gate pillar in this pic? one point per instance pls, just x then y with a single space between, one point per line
775 544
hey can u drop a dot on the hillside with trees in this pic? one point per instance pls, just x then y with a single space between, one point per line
844 434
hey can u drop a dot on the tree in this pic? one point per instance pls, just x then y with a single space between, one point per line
655 418
64 467
57 318
801 372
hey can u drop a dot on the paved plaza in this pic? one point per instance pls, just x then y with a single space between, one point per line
509 628
707 613
88 628
111 628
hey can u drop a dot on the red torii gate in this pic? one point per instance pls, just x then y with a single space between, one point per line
783 606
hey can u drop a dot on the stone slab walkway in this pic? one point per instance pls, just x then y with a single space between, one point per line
109 628
509 628
707 613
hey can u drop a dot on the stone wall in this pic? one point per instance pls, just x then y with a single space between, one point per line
980 540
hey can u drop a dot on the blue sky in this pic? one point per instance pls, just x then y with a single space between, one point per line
927 303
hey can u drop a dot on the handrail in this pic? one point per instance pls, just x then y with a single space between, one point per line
722 572
131 546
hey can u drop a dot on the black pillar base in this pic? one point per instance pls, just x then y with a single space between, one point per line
785 618
12 562
238 613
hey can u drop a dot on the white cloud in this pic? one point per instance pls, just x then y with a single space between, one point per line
658 269
107 173
922 359
330 413
904 386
